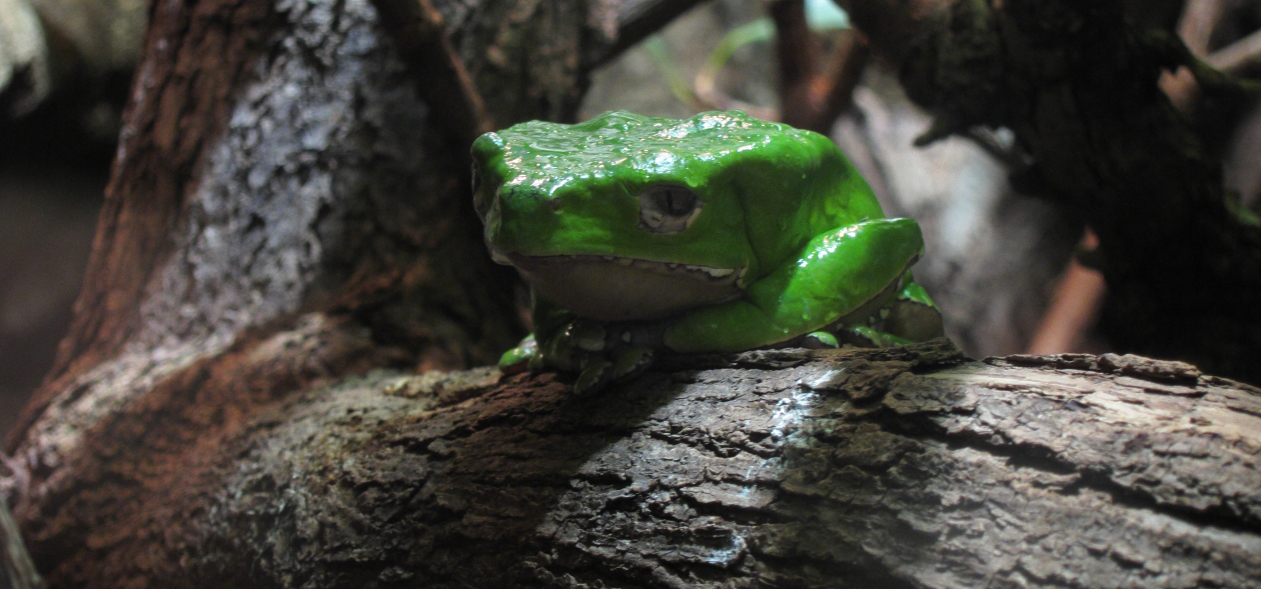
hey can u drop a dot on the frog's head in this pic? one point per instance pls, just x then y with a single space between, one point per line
628 217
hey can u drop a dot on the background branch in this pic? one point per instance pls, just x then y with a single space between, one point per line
814 91
1108 144
418 29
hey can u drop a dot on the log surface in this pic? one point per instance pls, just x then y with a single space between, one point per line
910 467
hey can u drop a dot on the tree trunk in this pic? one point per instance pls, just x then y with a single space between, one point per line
253 390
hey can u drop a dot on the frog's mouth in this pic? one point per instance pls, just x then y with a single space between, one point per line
612 288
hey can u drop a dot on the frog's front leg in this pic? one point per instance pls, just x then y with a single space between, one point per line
836 274
598 352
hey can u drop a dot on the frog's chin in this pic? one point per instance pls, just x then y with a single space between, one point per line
610 288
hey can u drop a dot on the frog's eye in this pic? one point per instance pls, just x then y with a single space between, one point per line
668 209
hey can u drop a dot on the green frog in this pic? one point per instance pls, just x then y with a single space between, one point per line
717 233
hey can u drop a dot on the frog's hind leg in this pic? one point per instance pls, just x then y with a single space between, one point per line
908 316
837 274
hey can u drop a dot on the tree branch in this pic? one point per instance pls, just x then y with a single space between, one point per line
1077 84
417 27
633 21
811 98
1238 58
907 467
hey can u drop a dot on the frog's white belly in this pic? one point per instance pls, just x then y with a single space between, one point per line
622 289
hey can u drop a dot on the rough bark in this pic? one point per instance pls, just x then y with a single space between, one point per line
276 171
252 392
899 468
1076 83
283 210
905 468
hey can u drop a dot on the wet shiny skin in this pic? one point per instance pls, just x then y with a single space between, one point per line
736 233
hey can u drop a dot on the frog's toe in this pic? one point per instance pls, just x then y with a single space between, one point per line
819 340
863 336
632 361
520 358
594 377
913 321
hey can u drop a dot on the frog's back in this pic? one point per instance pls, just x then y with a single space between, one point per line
799 185
792 184
777 186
